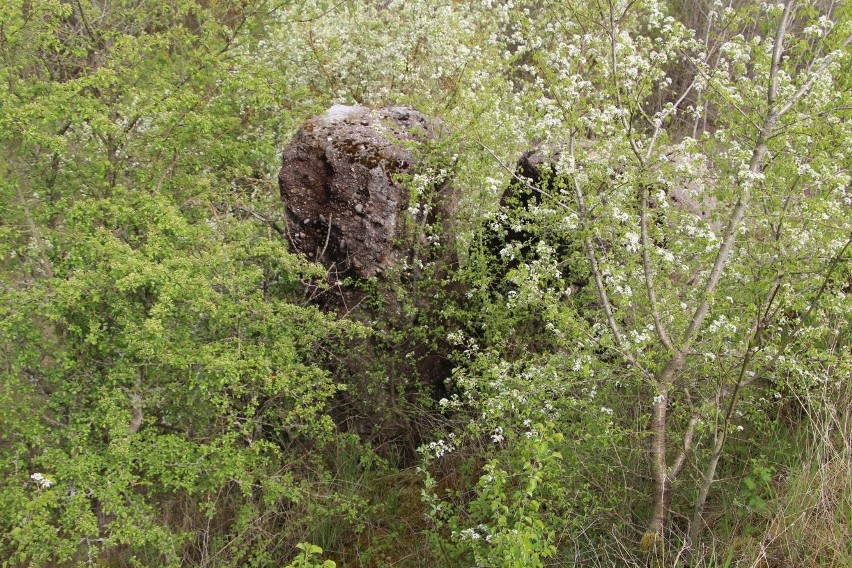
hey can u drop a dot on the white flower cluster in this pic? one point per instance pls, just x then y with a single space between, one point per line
666 255
531 432
456 338
640 337
820 28
442 447
722 324
481 532
620 215
749 178
42 481
450 403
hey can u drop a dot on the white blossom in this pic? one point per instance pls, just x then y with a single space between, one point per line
41 480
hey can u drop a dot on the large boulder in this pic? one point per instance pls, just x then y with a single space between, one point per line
342 182
354 205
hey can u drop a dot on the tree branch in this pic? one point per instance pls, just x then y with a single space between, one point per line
596 271
649 271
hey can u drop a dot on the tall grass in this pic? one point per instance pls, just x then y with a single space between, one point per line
812 522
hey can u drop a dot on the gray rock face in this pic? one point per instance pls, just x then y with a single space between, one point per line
340 183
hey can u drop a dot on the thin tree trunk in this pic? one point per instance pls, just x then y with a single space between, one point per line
704 490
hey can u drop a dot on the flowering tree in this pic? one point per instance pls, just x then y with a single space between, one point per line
704 174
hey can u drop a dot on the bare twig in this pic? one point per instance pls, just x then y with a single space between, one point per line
261 218
327 237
